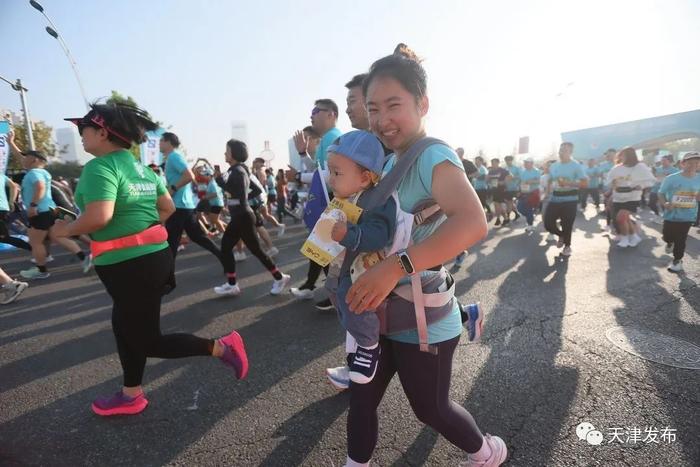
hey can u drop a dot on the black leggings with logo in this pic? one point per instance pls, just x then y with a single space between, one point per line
242 227
425 379
136 287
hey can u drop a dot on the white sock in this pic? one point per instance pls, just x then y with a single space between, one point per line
370 347
351 463
482 454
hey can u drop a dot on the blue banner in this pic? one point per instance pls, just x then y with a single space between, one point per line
4 146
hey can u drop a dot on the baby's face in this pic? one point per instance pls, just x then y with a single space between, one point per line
346 177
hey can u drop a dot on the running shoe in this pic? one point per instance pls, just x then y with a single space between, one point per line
87 264
239 256
499 453
10 291
364 364
181 248
475 321
325 305
279 286
281 230
676 266
339 377
34 274
272 252
49 259
551 237
517 216
498 222
635 240
669 248
119 404
234 354
459 260
624 241
228 289
303 293
566 251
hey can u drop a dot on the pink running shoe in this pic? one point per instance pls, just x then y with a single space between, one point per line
119 404
499 452
234 354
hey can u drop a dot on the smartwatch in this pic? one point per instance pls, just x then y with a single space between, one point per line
33 205
173 187
405 262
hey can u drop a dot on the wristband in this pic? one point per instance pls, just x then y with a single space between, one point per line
405 262
33 205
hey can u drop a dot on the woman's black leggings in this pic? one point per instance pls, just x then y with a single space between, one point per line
425 379
136 287
566 213
242 227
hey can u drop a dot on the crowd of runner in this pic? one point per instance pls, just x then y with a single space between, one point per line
422 205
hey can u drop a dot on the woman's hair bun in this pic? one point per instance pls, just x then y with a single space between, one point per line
404 51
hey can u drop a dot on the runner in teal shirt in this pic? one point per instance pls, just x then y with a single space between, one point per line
680 193
175 166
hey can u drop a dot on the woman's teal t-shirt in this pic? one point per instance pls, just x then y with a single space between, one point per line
415 187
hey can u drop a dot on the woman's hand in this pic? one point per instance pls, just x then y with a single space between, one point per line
60 228
372 287
32 211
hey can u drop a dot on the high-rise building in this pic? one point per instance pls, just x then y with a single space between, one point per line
239 131
69 148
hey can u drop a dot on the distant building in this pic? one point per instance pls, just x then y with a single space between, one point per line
239 131
69 148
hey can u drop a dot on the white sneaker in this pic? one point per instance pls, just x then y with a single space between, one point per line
181 248
499 453
87 264
302 294
272 252
624 241
239 256
551 238
228 289
339 377
279 286
658 220
566 251
49 259
676 266
669 248
10 291
635 240
281 230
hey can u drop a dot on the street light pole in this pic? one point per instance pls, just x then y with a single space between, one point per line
52 30
25 110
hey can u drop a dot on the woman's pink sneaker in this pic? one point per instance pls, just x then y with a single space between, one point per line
119 404
234 354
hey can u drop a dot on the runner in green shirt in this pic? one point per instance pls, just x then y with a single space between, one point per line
123 206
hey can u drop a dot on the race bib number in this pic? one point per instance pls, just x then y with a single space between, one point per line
320 247
493 182
684 200
525 187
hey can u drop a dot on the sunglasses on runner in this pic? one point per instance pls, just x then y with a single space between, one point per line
317 110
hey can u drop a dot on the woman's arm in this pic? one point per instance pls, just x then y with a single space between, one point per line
465 226
165 207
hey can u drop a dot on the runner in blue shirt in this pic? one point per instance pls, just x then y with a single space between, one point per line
529 198
660 172
604 167
679 194
593 173
566 179
512 188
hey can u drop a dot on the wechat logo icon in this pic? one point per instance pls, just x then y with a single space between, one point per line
587 432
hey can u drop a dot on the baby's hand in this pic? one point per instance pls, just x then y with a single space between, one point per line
340 229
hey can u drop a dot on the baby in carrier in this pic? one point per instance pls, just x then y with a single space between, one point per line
355 163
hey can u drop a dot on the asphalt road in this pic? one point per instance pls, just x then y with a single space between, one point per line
543 366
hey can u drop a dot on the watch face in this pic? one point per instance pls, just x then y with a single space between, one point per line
406 262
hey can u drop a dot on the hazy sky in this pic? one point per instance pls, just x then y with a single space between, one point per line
494 67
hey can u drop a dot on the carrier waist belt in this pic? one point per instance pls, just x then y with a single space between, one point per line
150 236
573 192
624 189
